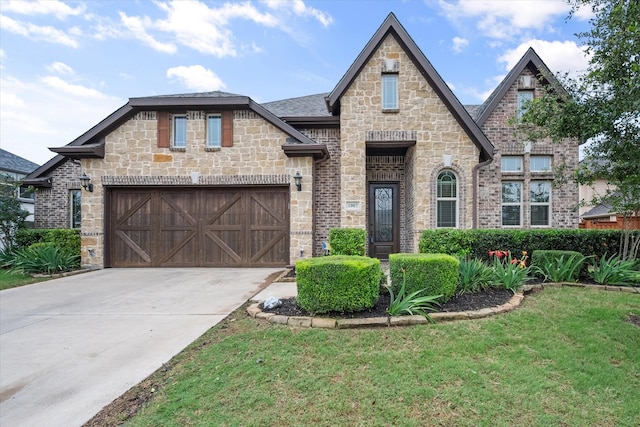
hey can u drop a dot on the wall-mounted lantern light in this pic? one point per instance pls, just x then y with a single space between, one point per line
85 181
298 179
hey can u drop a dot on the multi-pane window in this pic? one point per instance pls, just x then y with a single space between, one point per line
540 164
539 198
214 130
76 203
179 134
511 164
447 200
389 91
511 203
524 99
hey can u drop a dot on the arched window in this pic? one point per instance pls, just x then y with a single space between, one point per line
447 200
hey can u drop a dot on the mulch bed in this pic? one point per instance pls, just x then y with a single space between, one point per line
464 302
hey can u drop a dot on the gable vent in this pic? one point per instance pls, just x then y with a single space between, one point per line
390 65
526 82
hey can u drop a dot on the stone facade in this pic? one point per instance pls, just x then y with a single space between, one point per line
422 113
564 192
132 157
53 205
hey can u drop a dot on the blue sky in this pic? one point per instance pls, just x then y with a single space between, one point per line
64 66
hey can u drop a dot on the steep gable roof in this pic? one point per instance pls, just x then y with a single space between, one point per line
10 162
91 143
531 61
391 26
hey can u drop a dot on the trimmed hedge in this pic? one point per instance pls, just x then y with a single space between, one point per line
437 274
348 241
541 257
338 283
477 243
65 239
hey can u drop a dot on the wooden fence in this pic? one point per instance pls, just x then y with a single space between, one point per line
633 223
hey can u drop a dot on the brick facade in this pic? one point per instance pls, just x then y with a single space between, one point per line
564 193
53 205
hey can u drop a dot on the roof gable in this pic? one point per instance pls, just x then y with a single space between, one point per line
391 26
91 143
530 60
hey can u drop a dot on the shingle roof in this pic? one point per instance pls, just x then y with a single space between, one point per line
474 111
11 163
213 94
602 209
302 106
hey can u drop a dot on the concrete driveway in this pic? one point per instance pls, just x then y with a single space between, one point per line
70 346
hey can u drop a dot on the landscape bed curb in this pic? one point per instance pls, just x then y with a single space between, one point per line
330 323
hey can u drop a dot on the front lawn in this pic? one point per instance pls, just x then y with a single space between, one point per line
567 356
12 280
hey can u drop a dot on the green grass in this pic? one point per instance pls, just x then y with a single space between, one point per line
567 356
13 280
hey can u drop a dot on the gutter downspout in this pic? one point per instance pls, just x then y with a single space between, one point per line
476 171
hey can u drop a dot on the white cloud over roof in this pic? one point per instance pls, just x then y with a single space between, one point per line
196 77
560 56
37 32
42 7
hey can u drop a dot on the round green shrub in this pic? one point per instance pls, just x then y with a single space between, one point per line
338 283
437 274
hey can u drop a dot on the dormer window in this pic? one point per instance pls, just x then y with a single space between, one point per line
390 92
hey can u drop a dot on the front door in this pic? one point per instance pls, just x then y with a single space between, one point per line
383 219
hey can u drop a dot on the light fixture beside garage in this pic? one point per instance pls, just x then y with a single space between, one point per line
298 179
85 181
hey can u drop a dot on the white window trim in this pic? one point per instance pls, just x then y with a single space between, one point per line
520 204
511 171
548 204
207 142
173 131
519 110
448 199
396 105
540 170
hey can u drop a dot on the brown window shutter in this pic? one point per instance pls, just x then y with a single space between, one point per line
164 139
227 128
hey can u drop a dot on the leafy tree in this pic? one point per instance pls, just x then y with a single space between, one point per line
12 215
601 108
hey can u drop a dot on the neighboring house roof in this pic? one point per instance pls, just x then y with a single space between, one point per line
91 143
529 60
391 26
601 210
10 162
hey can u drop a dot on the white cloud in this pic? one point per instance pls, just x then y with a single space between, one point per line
60 68
196 77
560 56
75 90
298 7
459 44
37 32
35 115
502 19
41 7
138 28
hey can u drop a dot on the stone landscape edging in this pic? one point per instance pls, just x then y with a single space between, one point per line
330 323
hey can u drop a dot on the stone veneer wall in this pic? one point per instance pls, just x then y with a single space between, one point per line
564 197
53 205
256 157
420 111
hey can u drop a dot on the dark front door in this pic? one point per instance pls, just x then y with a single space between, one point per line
384 220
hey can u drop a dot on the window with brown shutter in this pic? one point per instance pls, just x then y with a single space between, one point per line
164 138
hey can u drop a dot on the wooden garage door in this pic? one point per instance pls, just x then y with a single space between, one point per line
217 227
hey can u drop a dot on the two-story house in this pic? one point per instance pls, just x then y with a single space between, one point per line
216 179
